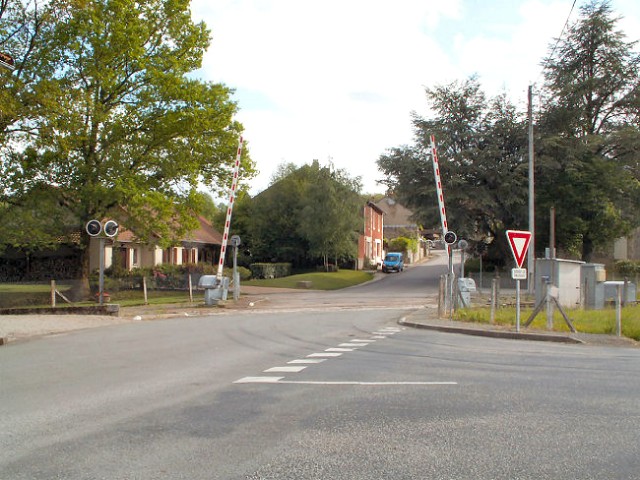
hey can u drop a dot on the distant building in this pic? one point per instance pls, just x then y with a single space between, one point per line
370 243
199 246
398 223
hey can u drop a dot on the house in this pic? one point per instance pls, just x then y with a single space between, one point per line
370 242
398 223
200 246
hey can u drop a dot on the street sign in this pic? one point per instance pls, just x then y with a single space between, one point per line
450 237
519 242
519 273
93 227
111 228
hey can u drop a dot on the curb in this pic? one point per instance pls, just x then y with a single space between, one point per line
539 337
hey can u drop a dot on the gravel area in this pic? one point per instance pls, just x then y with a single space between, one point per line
18 327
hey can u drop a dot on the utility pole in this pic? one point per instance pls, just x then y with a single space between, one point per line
532 227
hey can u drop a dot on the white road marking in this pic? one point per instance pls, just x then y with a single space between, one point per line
374 384
316 358
259 380
284 370
280 380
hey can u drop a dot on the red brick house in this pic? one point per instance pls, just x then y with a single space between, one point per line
371 239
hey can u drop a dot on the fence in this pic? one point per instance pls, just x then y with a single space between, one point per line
181 287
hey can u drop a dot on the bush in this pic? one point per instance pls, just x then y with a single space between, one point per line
245 273
270 270
403 245
627 268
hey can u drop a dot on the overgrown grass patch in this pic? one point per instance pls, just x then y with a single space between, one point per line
585 321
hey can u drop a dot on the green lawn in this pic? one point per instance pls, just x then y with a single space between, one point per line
319 280
38 295
585 321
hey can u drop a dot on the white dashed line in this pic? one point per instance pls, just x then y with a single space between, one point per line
259 380
338 383
298 365
284 370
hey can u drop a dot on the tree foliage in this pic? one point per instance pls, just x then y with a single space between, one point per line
480 146
589 133
310 214
121 128
587 148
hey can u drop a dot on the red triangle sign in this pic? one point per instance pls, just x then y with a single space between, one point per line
519 242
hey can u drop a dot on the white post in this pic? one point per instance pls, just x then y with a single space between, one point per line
619 310
53 293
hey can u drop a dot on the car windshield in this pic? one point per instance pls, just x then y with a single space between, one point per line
391 258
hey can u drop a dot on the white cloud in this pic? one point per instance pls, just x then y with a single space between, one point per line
340 78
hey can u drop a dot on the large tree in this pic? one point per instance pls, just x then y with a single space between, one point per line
589 133
588 153
482 158
330 215
309 214
123 129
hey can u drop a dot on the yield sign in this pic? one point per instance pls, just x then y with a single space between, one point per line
519 242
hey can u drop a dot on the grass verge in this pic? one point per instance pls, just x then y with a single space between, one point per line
319 280
32 295
585 321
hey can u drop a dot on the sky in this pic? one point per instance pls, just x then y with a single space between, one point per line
337 81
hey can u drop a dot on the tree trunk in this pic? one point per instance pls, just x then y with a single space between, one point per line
80 289
587 248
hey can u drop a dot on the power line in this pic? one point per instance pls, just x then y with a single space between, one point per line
564 27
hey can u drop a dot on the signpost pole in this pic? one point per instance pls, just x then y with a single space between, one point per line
101 273
517 306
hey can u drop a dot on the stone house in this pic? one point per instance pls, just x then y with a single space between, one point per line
200 246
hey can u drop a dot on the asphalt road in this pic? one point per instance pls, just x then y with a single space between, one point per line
330 393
